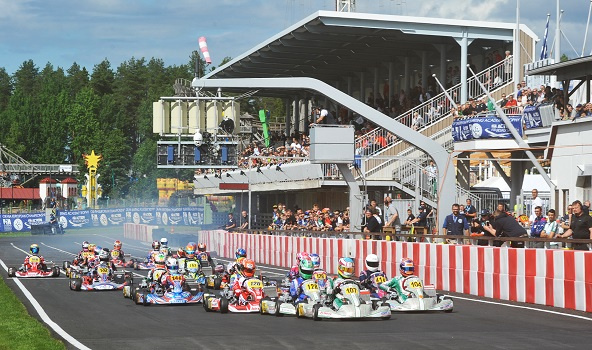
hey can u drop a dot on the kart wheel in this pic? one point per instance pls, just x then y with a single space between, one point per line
223 305
136 267
145 298
65 265
299 314
217 283
316 312
11 272
56 271
76 284
136 297
206 302
374 304
278 303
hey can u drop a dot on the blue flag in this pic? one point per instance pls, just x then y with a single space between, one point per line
544 48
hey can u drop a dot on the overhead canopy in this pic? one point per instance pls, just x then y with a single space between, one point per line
333 46
576 69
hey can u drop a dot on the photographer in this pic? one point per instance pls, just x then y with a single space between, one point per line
505 226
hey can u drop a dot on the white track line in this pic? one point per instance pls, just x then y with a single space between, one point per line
523 307
70 339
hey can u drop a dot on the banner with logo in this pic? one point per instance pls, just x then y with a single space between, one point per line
487 127
141 216
532 117
107 217
21 222
74 219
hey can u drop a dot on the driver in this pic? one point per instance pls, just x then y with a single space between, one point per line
295 270
372 264
189 256
164 246
90 260
159 268
234 265
316 261
305 270
247 270
117 247
345 274
34 249
155 250
180 253
407 268
80 257
202 248
104 260
166 279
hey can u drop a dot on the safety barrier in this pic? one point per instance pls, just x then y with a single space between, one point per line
561 278
139 232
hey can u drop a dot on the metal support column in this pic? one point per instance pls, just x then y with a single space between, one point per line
463 173
443 64
355 198
424 70
406 75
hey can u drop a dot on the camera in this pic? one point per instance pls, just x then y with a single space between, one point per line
487 223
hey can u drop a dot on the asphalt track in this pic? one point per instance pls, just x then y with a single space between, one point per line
105 320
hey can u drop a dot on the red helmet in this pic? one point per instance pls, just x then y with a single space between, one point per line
117 245
156 245
201 247
248 268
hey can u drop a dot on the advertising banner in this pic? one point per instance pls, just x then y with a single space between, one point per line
487 127
75 219
532 117
141 216
107 217
21 222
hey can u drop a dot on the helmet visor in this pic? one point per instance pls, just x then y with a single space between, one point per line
35 250
372 263
346 270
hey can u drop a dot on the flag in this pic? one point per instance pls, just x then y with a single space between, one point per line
544 48
204 49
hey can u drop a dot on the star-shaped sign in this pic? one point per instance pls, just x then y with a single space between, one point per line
92 160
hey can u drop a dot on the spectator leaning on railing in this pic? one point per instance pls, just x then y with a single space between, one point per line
580 226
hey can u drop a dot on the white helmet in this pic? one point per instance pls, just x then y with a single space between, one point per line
164 242
104 255
172 265
372 262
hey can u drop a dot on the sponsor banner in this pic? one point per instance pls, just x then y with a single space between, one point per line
107 217
487 127
532 117
74 218
186 216
21 222
141 216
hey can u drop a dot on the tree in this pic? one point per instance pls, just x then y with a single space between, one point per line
564 58
102 78
5 88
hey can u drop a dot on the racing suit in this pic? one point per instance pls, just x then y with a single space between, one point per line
365 281
209 258
397 284
109 264
335 287
239 292
295 289
166 280
26 265
183 264
293 273
121 254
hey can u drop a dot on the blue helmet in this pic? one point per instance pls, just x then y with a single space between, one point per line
316 260
240 253
406 267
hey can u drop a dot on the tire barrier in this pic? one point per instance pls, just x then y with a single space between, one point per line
553 277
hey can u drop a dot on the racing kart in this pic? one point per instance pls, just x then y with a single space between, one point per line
35 270
75 265
353 305
226 302
147 264
303 308
422 298
104 279
182 292
192 271
218 280
121 260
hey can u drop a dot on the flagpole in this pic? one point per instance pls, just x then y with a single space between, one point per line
517 47
544 49
557 47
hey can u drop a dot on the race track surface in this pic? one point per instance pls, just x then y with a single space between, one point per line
106 320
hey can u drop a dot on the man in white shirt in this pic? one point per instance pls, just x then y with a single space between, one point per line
535 202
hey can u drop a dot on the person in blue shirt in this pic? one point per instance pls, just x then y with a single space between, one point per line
456 224
537 226
305 270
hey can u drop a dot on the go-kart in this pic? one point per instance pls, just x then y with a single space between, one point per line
120 260
353 305
147 264
313 295
218 280
192 271
35 270
182 292
103 279
422 298
203 258
228 302
75 265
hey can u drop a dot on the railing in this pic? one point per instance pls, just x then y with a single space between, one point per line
433 109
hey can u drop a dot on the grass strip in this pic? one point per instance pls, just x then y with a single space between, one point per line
18 330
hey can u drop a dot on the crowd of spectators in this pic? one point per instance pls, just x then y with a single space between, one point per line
313 219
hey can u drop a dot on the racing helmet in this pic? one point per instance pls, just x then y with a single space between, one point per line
372 262
160 260
190 251
85 246
345 268
248 268
117 245
240 253
172 265
164 242
406 267
305 269
34 249
180 252
219 268
156 245
164 250
104 255
201 247
92 247
316 260
302 255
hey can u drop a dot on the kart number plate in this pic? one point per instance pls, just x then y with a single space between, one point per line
311 286
34 260
380 279
114 253
88 254
103 270
415 284
320 276
177 277
351 290
255 284
192 265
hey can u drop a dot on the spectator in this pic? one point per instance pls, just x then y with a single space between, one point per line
470 210
535 202
580 226
371 225
374 207
551 226
585 208
417 121
566 219
505 226
537 226
455 224
244 220
231 223
410 218
503 101
432 176
422 218
511 102
485 219
391 215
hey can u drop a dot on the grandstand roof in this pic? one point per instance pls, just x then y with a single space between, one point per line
331 46
576 69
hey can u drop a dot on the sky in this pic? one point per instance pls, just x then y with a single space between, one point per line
62 32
